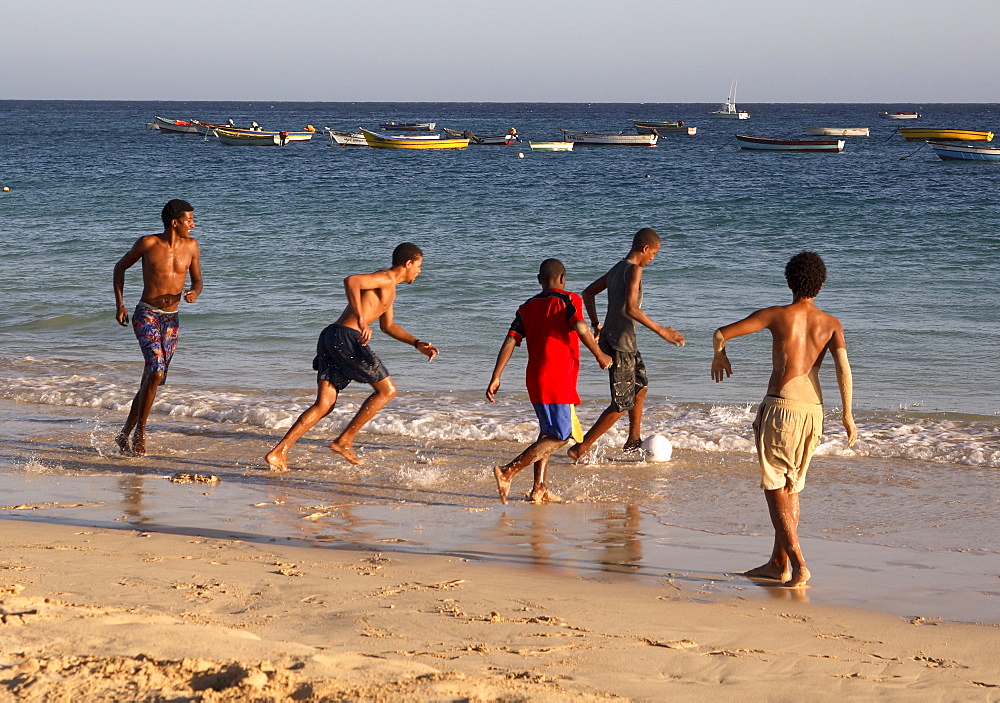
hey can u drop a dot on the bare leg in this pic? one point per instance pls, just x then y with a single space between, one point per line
604 423
536 452
385 391
540 493
326 398
634 440
786 563
138 413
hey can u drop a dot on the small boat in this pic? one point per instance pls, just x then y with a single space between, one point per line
727 110
255 129
407 126
593 138
232 138
341 138
551 146
506 139
652 127
385 141
965 152
836 131
207 128
174 126
899 115
764 144
968 135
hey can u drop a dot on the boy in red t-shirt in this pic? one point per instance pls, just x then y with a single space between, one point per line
552 322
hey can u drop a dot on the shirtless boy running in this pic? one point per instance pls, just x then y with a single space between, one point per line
167 258
789 421
617 338
343 354
552 322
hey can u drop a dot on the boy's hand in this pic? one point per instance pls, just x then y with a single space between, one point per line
366 334
852 429
719 364
190 295
427 349
492 389
672 336
122 315
604 361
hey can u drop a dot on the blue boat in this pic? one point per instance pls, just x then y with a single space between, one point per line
965 152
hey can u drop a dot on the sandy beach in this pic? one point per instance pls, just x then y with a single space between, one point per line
126 579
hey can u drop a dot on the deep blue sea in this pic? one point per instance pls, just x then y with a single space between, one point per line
912 244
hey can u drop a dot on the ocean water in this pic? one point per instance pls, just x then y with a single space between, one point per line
912 246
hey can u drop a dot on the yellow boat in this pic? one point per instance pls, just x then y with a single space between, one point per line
384 141
920 133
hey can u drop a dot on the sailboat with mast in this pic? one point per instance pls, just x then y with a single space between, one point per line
728 109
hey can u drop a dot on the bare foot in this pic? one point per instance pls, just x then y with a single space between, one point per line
768 571
277 460
633 445
346 451
139 445
541 494
503 483
576 452
799 578
122 441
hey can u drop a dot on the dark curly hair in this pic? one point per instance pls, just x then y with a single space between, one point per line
174 210
406 252
806 274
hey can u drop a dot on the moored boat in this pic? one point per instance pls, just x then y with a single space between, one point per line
341 138
919 133
169 126
594 138
551 146
765 144
965 152
899 115
653 127
234 138
505 139
407 126
836 131
386 141
727 110
287 135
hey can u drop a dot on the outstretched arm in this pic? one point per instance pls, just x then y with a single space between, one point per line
506 350
633 281
748 325
603 360
388 325
845 381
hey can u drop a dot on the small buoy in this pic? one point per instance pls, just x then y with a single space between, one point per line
648 175
657 448
6 189
520 154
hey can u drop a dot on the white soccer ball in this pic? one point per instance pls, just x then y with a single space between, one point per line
657 448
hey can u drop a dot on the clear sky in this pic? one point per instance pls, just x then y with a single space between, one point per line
882 51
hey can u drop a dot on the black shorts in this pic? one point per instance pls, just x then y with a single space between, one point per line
628 377
342 358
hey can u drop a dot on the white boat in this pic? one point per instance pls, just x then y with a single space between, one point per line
609 139
801 145
341 138
836 131
727 110
551 146
899 115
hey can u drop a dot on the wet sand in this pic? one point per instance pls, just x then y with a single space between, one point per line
417 584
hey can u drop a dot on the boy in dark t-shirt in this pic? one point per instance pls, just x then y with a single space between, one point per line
552 323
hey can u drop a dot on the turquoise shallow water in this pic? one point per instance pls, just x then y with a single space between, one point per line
912 247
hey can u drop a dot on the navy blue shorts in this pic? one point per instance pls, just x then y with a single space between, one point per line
342 358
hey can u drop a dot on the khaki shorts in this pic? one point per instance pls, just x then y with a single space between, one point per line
787 433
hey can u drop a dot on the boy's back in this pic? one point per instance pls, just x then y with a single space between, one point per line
548 322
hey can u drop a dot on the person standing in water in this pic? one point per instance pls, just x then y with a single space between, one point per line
167 259
552 322
617 339
789 420
343 354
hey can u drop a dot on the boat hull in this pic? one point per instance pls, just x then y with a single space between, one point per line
595 139
384 141
229 138
174 126
663 128
551 146
407 126
798 145
836 131
285 136
725 115
965 152
922 133
898 115
345 138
